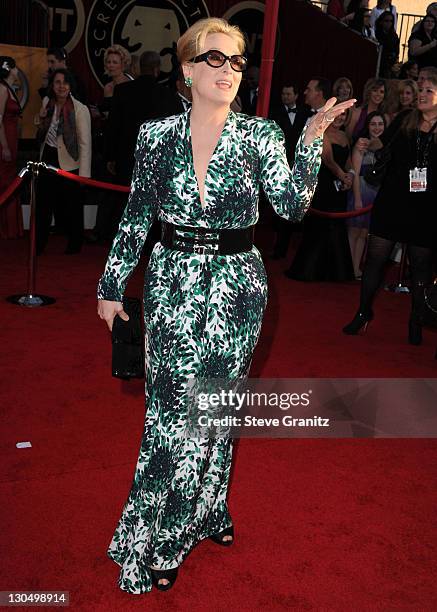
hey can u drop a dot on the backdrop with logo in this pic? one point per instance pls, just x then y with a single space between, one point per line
308 42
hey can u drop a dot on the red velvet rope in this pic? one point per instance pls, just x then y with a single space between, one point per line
314 211
341 215
91 182
9 191
126 189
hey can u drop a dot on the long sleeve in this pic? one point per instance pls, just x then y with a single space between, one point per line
83 126
135 223
290 191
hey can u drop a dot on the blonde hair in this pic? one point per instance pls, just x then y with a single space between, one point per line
123 54
192 41
342 81
412 85
395 88
371 85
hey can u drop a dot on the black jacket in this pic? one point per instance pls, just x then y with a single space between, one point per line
248 107
132 104
291 132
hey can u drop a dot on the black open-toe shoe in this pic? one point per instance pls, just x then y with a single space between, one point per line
169 575
218 537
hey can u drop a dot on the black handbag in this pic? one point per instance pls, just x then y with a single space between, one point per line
430 311
128 342
377 171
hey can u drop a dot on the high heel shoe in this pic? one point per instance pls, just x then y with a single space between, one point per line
414 332
360 322
218 537
169 575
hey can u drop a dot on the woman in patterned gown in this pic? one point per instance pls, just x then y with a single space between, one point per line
199 173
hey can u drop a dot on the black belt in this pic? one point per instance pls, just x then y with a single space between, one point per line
206 241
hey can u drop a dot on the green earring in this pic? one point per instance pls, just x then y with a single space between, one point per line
188 81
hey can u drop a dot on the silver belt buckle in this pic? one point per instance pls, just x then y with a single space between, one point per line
199 249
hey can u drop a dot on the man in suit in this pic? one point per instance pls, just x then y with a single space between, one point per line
249 91
316 94
133 103
291 119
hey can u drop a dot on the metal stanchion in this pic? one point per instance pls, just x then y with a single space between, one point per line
32 299
401 286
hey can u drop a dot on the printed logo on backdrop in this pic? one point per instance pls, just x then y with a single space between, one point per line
249 17
139 25
66 23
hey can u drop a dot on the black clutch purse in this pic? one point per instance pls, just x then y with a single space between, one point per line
430 313
375 174
128 342
377 171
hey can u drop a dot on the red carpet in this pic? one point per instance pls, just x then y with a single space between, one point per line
320 524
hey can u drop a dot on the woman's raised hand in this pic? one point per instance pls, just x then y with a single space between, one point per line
107 310
324 117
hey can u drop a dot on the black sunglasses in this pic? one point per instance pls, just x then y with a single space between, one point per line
216 59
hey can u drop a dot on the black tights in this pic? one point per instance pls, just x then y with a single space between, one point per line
378 253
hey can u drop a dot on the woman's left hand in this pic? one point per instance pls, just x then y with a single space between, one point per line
348 180
324 117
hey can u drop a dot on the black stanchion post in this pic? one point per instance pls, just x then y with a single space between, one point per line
401 286
31 299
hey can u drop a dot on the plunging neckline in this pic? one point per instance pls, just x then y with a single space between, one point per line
191 154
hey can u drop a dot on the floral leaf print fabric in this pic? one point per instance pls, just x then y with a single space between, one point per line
202 317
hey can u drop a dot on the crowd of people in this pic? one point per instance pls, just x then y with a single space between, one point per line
380 25
398 118
99 140
205 287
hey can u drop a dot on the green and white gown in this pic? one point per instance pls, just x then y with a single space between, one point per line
202 316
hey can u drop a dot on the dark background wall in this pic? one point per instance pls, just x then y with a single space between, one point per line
309 42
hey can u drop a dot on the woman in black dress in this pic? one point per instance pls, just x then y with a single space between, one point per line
388 39
324 254
422 46
405 209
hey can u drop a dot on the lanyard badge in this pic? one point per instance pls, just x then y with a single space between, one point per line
418 175
418 180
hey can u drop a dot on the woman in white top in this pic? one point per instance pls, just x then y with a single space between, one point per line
64 134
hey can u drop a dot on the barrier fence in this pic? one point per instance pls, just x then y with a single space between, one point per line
31 298
406 22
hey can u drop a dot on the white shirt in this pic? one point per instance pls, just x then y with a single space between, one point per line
51 136
369 32
291 116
